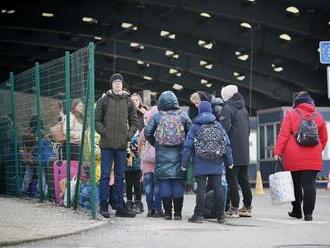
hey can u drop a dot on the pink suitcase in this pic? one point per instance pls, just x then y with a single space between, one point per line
59 169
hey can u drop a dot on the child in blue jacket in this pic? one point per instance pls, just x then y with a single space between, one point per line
207 168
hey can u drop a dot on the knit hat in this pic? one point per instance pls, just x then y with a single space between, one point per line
228 92
116 76
303 97
204 107
204 96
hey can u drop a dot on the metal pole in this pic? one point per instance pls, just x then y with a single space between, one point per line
81 150
68 131
251 69
13 110
39 137
91 48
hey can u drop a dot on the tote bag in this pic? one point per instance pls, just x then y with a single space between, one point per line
281 187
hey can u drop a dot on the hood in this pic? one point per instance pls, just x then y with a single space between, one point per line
204 118
147 116
306 107
237 101
110 93
216 101
168 101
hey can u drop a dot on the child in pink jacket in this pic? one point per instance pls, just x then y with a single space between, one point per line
147 155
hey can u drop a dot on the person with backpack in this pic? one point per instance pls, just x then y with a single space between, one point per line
300 142
147 155
235 120
116 122
208 143
166 131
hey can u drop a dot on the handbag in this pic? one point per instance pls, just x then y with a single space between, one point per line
281 187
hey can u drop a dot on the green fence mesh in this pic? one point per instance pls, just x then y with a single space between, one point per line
47 132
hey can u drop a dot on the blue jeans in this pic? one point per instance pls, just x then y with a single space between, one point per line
118 156
172 188
29 171
151 190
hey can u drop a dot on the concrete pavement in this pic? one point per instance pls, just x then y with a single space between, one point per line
269 227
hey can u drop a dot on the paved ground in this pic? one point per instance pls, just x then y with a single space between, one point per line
22 220
269 227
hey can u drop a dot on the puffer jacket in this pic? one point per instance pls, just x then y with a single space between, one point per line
235 120
119 122
200 166
168 158
295 156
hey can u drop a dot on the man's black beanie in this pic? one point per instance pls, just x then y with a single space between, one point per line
116 76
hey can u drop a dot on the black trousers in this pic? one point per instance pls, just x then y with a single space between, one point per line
238 176
133 180
218 200
304 183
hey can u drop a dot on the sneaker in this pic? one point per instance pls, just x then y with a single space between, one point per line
138 207
129 205
104 210
177 217
232 213
158 214
124 212
196 219
221 220
245 212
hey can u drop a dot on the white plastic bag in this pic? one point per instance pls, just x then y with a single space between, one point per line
281 187
73 183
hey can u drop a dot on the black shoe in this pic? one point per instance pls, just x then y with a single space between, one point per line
167 203
196 219
138 207
151 213
295 215
177 217
124 212
308 217
221 219
129 205
104 211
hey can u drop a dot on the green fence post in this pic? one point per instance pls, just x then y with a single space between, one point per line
68 109
81 150
39 135
13 110
90 75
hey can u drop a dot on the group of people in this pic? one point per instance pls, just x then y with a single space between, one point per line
162 143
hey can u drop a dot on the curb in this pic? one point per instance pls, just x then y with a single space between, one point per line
23 241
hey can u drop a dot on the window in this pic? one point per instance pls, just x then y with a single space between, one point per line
267 138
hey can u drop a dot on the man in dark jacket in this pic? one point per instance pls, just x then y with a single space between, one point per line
236 123
116 122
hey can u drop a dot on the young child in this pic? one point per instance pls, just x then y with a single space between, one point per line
147 154
209 145
166 131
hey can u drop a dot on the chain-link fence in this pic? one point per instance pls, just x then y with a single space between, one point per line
47 132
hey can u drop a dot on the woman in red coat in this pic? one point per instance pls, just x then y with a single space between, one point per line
303 162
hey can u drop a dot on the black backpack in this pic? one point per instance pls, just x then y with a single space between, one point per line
210 143
307 134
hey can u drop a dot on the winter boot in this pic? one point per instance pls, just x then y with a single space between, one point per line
177 202
138 207
124 212
129 205
104 209
167 204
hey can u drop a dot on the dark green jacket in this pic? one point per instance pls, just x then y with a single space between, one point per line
115 120
168 158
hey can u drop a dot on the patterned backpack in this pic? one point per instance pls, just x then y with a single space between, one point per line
170 130
210 143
